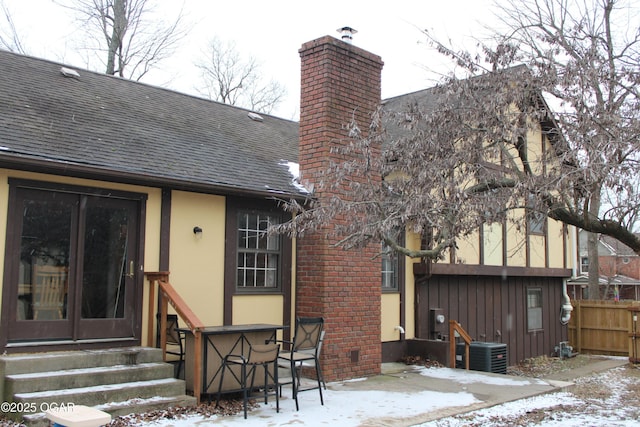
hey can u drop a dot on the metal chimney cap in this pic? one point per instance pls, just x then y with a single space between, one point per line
347 33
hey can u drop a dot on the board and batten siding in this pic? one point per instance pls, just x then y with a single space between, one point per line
494 309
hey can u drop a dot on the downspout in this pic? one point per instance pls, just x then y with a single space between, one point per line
566 308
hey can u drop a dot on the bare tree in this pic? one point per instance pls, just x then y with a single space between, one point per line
228 77
9 38
123 36
459 159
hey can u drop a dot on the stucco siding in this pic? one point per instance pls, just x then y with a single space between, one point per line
390 317
197 260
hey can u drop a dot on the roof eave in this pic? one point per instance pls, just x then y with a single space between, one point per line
104 174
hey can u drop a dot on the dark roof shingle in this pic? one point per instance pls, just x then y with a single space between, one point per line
108 125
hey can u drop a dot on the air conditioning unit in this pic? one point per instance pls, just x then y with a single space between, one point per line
483 356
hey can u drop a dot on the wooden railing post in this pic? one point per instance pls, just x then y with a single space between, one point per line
153 279
456 329
168 295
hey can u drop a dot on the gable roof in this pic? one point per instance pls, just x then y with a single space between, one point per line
429 99
607 246
105 127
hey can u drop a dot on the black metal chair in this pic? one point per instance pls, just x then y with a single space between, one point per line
175 342
260 355
304 351
309 363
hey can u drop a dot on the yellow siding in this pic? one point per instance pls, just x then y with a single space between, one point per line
409 300
534 150
467 252
516 238
492 244
390 317
151 250
556 246
537 253
197 261
413 242
249 309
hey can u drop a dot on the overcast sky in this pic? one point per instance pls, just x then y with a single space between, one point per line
273 31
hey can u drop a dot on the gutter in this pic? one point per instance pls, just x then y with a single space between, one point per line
76 170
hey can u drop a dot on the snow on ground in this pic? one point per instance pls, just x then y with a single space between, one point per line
598 400
468 377
341 409
607 399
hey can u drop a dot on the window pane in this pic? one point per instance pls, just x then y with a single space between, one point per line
44 259
535 219
261 261
105 262
242 238
250 278
534 309
241 277
250 260
252 239
260 278
271 278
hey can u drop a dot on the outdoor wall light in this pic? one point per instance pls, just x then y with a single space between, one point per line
197 230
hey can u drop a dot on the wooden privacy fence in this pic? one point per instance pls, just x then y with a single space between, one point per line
605 327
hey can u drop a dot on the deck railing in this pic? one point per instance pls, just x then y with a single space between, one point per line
168 295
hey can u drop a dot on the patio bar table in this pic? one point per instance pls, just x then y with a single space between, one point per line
217 342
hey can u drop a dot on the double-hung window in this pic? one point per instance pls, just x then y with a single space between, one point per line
534 309
390 267
259 253
392 273
584 265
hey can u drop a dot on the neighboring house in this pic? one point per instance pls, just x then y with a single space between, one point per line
102 179
615 288
619 269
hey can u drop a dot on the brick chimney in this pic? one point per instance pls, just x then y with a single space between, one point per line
339 82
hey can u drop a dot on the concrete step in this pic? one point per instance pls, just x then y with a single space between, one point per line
85 377
65 360
118 381
97 394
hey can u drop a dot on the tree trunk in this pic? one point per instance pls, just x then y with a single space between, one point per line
592 250
114 43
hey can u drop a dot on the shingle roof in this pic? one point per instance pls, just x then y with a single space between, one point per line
604 280
428 99
616 247
106 126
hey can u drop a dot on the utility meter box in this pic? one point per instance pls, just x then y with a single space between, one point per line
437 324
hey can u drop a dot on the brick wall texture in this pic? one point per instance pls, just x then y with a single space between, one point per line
338 82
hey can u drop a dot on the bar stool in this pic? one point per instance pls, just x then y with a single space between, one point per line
260 355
